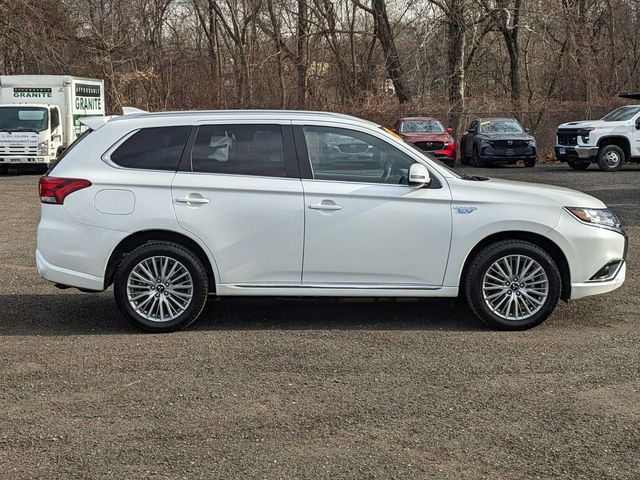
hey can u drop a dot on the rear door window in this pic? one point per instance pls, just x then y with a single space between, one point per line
255 150
158 148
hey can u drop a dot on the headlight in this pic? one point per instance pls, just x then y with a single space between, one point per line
600 217
43 148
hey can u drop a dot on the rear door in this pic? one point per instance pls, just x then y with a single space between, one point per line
365 226
239 191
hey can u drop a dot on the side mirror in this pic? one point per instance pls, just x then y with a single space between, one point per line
419 176
638 123
471 131
449 130
528 130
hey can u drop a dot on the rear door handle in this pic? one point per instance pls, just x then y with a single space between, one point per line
324 206
193 199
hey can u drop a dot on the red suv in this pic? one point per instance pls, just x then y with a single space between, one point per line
429 135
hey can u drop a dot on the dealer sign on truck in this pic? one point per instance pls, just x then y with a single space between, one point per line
87 101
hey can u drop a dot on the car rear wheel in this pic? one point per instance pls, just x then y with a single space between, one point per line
610 158
513 285
578 165
161 287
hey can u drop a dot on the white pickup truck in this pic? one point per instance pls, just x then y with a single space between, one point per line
40 115
609 142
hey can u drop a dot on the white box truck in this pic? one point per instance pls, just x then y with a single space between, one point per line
40 115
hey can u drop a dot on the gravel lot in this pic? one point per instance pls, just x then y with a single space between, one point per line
270 388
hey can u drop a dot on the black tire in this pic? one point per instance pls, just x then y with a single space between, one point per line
476 161
178 253
607 156
482 263
578 164
530 163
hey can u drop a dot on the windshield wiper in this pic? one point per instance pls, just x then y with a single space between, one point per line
21 129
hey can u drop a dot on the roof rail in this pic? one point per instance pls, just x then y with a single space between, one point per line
132 110
632 95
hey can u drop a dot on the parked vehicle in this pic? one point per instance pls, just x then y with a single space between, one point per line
492 141
609 142
40 115
172 207
430 136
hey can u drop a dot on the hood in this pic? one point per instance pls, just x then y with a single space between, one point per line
591 124
524 192
427 137
506 136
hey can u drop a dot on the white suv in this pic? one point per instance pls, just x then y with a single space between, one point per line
173 207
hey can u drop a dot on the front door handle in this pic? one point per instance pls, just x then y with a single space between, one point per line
324 205
193 199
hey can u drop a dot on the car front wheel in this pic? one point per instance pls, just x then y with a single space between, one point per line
161 287
610 158
513 285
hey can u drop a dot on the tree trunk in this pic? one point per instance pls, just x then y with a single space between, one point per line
456 46
301 55
392 60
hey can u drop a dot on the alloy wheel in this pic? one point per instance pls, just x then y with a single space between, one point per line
160 288
515 287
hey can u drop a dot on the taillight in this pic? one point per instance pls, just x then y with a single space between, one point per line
55 190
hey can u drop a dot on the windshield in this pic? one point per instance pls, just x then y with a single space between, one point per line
421 126
621 114
23 119
500 125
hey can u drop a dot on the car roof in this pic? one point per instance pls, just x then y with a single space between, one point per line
132 113
418 118
495 118
631 95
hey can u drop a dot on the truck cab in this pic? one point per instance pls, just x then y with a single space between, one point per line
30 133
40 115
609 142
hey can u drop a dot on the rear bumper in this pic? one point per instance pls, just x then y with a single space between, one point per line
567 153
64 276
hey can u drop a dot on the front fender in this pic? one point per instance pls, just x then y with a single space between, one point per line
468 232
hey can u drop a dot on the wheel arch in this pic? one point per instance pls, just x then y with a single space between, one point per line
619 141
137 239
541 241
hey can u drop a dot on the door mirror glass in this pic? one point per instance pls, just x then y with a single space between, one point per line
528 130
449 130
419 176
638 123
55 118
471 131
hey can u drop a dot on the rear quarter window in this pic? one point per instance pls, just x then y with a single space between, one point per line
157 148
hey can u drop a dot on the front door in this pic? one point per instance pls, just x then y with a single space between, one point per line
365 226
238 195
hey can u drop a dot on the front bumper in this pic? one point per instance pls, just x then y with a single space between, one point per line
580 290
15 160
566 153
588 249
489 153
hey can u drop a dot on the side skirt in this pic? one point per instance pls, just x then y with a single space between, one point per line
374 291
